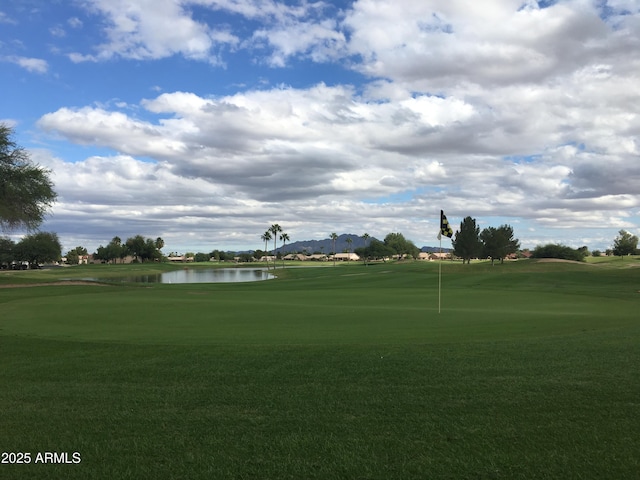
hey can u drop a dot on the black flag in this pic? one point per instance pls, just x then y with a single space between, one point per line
445 228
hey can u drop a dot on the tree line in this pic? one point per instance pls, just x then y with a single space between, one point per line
498 243
624 244
494 243
34 249
141 248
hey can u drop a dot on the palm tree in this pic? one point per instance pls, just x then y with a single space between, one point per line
159 243
334 237
366 237
284 237
265 237
349 242
275 229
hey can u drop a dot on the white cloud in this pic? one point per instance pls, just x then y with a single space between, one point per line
34 65
75 22
321 42
243 154
436 46
58 31
4 18
150 29
495 109
153 29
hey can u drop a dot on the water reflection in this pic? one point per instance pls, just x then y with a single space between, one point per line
212 275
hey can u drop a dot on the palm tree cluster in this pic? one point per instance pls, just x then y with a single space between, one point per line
272 233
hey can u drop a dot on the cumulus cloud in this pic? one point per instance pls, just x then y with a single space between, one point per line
287 146
153 29
504 109
434 45
34 65
150 29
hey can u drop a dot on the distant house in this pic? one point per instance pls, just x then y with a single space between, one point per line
180 258
317 257
345 257
296 256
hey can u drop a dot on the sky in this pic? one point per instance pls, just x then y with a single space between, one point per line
204 122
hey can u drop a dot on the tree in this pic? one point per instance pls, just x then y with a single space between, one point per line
159 243
112 251
378 250
563 252
334 237
136 246
625 244
245 257
73 256
349 242
266 236
152 252
26 192
275 229
201 257
284 237
490 243
38 248
364 257
143 249
220 256
499 242
466 243
400 245
7 247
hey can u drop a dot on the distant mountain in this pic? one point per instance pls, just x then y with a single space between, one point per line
324 246
435 249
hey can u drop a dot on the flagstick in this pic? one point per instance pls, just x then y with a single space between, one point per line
439 273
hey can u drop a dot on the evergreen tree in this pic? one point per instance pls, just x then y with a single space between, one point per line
499 242
625 244
466 243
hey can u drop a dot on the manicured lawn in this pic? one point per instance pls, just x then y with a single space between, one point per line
530 371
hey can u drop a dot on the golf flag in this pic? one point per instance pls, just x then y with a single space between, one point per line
445 228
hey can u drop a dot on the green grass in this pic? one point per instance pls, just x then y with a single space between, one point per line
530 371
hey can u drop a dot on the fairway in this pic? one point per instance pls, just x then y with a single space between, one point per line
529 371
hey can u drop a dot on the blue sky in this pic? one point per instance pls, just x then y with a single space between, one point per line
206 121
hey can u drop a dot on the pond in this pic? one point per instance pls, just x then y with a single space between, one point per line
209 275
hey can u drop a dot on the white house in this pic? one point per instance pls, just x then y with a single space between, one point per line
345 257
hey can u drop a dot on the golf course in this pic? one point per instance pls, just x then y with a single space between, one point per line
522 370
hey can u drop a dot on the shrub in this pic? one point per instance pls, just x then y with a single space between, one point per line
562 252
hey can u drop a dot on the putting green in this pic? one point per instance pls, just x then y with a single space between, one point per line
382 304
